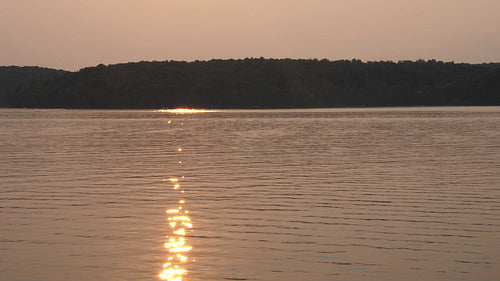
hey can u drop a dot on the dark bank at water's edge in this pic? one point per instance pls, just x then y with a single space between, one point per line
253 83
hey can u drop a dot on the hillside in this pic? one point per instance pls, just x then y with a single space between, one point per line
15 79
256 83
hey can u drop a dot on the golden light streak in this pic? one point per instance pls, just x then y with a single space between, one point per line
184 110
177 246
180 232
171 274
181 218
182 258
181 249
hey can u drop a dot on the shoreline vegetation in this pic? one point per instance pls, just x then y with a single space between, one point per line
253 83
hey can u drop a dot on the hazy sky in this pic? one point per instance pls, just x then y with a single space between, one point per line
71 34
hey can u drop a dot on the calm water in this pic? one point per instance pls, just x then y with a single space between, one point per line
316 195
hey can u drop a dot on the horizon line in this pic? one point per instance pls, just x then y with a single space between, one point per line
254 58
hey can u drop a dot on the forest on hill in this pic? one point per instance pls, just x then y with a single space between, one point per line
253 83
14 80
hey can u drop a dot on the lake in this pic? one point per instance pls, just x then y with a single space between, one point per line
265 195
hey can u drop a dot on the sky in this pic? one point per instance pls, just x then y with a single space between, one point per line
72 34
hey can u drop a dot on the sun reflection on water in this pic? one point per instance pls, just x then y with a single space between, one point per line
179 221
184 110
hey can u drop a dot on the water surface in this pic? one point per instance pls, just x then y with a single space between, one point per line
337 194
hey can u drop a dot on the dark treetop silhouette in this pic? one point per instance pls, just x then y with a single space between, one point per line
253 83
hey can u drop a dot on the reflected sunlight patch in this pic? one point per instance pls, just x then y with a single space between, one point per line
177 244
184 110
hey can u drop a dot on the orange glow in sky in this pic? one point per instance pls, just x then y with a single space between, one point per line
75 34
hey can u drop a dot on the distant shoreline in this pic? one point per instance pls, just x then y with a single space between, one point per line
310 109
254 83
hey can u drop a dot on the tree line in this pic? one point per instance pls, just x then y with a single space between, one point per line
253 83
